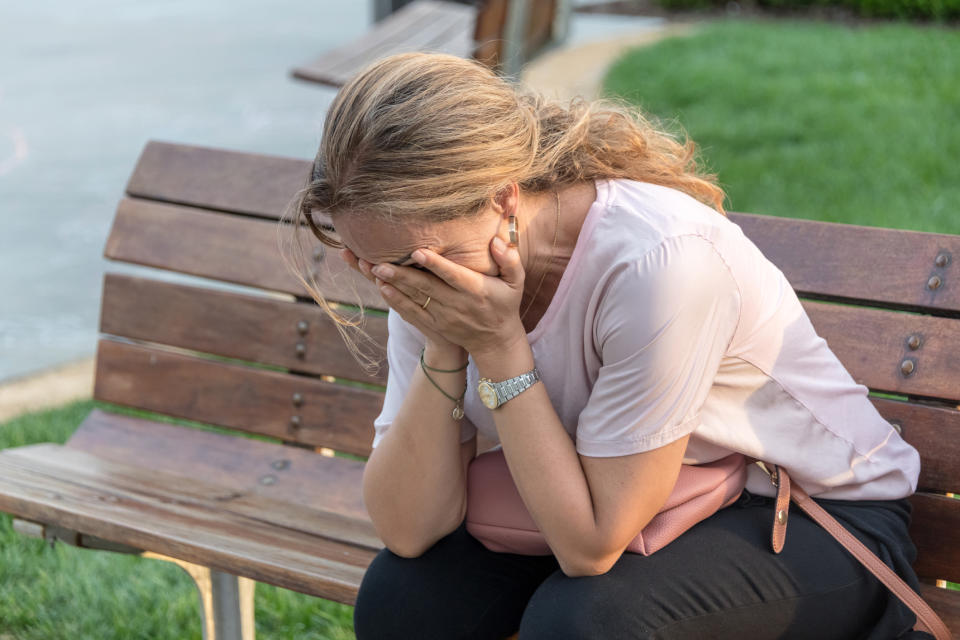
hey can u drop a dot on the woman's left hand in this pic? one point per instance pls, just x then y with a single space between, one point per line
481 313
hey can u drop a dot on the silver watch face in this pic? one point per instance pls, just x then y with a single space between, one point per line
488 395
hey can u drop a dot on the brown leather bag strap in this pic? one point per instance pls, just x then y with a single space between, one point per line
927 620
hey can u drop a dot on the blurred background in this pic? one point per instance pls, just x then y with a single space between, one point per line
839 110
84 85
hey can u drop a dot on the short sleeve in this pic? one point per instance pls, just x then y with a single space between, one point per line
404 342
662 326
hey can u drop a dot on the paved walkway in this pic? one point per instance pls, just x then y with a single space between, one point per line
247 103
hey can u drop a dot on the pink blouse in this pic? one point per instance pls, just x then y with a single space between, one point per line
668 320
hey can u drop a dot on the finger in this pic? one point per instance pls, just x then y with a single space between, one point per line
409 310
413 283
455 276
508 259
365 268
347 256
357 264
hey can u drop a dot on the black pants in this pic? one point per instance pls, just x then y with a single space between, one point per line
718 580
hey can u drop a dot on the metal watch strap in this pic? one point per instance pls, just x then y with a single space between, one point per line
512 387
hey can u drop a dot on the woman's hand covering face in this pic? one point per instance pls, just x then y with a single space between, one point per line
476 311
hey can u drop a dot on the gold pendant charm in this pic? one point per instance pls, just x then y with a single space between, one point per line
457 412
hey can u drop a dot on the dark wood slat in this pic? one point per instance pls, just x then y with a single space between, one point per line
237 397
84 499
129 482
875 352
392 28
433 24
935 432
224 247
425 25
887 266
245 465
945 602
246 183
258 329
935 528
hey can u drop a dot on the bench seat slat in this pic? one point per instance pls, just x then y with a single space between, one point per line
257 329
36 485
246 465
223 247
127 482
424 25
946 602
237 397
389 33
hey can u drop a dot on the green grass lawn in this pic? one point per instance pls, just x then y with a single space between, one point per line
801 120
812 120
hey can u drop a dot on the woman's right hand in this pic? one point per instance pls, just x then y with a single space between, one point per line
438 349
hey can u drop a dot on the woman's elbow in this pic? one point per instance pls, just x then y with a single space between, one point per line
422 543
582 566
405 551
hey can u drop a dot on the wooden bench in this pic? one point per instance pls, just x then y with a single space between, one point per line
501 33
265 360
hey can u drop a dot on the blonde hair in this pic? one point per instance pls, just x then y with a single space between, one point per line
432 137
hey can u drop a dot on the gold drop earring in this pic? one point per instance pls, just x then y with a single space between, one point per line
512 230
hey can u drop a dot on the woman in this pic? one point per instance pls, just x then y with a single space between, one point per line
580 252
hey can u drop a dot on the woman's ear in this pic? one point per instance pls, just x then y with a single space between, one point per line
507 200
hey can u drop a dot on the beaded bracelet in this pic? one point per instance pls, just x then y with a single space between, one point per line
458 402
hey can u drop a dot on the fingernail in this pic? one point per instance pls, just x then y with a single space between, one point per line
419 256
499 244
383 271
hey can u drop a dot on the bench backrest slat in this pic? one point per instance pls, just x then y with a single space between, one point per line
257 329
935 521
889 267
880 355
244 183
238 397
935 432
225 247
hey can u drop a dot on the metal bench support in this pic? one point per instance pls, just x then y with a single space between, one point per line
226 600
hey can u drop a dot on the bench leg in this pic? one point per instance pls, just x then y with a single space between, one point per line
226 600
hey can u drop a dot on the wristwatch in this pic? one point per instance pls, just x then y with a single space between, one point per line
493 394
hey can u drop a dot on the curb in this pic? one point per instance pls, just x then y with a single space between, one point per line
47 389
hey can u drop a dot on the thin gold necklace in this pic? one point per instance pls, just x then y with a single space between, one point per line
556 234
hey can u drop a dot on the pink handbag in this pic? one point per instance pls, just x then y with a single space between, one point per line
497 517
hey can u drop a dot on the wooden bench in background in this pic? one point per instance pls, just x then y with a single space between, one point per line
502 34
280 509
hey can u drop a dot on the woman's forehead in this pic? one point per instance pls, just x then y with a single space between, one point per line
378 240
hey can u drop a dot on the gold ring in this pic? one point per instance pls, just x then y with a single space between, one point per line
424 305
